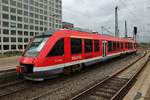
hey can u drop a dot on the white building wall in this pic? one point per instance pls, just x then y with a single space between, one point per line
20 20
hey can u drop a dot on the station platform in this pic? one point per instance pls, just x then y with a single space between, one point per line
141 89
8 63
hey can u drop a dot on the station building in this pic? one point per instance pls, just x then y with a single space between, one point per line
20 20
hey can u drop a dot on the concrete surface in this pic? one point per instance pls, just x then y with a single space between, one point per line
8 63
141 89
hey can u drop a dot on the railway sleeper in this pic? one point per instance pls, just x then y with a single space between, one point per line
112 87
116 82
107 90
111 82
119 79
92 97
102 94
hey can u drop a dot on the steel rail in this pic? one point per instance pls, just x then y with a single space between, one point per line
15 90
127 86
11 83
7 71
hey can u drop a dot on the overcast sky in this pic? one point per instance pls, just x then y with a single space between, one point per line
93 14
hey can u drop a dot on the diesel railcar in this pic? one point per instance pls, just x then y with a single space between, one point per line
65 51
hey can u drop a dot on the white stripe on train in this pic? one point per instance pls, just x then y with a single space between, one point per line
53 67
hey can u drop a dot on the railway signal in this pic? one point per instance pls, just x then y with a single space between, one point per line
135 32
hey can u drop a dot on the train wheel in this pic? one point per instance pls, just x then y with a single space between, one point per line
67 70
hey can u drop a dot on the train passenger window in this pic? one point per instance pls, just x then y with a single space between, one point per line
88 45
96 45
118 47
114 46
126 45
110 46
76 46
58 48
129 45
121 45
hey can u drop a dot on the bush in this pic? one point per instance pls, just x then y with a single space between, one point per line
10 54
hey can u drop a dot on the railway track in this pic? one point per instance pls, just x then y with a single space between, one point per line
8 77
7 71
42 95
4 85
10 88
114 87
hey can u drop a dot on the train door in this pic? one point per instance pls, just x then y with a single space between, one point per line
104 46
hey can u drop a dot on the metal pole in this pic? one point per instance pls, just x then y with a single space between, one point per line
102 29
116 22
126 29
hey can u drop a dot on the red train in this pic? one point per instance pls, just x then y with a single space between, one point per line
65 51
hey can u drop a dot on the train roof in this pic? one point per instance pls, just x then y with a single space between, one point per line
89 35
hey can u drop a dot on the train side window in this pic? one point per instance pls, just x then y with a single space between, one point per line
129 45
126 45
88 45
109 46
114 46
121 45
58 49
118 46
76 46
96 45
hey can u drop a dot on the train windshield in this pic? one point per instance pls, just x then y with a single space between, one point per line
36 46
